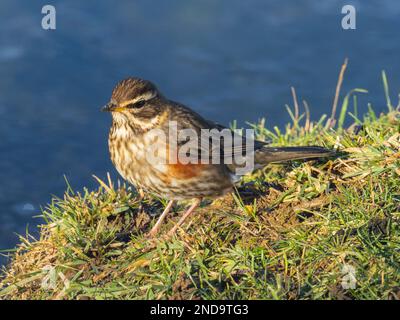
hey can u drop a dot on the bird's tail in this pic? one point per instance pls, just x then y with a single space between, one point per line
280 154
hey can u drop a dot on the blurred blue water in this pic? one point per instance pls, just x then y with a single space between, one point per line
226 59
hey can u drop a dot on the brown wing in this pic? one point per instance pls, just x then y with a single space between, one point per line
220 141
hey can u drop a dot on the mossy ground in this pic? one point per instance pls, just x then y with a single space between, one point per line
291 231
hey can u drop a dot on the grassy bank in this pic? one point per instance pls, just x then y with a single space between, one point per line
313 230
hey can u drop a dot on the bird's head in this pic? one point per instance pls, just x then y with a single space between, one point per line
135 100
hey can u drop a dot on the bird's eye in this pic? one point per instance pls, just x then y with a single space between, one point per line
136 105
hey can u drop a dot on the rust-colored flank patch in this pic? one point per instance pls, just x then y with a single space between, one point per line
185 171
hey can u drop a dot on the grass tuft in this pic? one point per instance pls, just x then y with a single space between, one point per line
302 230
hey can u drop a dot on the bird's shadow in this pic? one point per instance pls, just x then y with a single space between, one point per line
251 191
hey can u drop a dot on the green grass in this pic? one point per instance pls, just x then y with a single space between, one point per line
287 233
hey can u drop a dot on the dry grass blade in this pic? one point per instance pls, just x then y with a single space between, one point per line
331 120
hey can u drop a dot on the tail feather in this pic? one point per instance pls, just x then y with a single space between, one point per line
279 154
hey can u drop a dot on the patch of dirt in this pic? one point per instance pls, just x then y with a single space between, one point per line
183 289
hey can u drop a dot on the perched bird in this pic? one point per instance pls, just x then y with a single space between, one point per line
139 111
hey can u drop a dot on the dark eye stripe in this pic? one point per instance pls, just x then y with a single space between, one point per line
136 105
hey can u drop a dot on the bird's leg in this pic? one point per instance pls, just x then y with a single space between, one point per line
141 193
156 227
183 218
141 199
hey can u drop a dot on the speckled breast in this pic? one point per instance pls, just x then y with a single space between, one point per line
143 161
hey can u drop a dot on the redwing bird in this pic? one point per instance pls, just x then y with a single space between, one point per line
139 109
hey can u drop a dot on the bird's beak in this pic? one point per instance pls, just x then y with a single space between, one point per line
106 108
109 107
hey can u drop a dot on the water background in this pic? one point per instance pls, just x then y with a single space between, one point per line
226 59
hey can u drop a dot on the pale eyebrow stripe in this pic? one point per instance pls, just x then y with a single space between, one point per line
144 97
125 103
